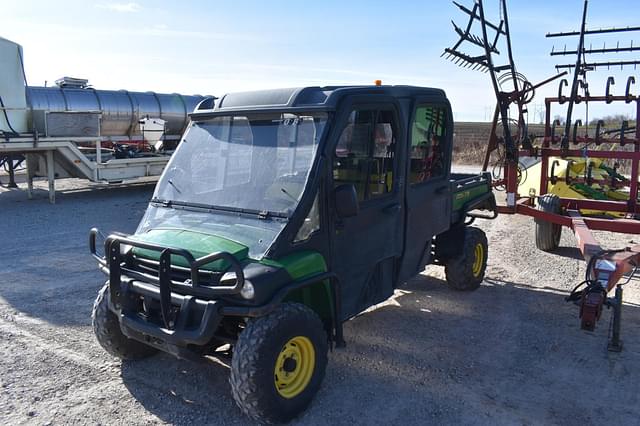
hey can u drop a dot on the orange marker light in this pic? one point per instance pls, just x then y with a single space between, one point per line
378 82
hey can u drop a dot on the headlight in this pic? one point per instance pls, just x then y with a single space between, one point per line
247 291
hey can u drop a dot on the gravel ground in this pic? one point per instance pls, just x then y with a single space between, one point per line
509 353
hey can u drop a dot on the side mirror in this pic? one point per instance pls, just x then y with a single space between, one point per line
346 199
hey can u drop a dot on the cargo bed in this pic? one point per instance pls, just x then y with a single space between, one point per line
472 191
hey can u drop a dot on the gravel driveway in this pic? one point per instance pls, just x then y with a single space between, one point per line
509 353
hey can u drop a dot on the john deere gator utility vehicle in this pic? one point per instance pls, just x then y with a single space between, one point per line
281 215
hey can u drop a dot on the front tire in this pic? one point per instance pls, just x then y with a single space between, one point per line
108 333
278 363
465 272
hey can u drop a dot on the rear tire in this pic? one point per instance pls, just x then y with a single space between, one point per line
465 272
278 363
108 333
547 233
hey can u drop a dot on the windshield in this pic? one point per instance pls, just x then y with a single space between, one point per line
257 235
256 162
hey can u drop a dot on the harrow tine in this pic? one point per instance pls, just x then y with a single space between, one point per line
459 30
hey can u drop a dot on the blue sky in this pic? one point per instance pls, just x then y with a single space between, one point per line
216 47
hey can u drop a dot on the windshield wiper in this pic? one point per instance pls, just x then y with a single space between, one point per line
261 214
174 185
284 191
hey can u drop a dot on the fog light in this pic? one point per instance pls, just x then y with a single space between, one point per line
247 292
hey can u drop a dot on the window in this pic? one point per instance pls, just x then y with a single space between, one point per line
311 223
254 161
365 153
428 144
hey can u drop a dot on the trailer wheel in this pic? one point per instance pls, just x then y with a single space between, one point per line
547 233
465 272
278 363
107 330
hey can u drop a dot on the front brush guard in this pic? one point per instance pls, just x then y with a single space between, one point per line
190 289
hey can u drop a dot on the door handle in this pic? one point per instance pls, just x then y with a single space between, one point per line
442 190
392 209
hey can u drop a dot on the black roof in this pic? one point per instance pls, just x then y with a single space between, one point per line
308 97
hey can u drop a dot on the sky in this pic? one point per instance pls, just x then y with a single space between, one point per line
218 46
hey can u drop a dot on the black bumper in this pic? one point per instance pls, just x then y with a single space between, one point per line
189 316
190 312
179 333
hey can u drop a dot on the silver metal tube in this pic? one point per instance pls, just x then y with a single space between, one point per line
120 109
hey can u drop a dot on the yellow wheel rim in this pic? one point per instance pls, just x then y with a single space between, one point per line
478 260
294 367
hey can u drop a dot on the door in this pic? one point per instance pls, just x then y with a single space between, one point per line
367 247
428 187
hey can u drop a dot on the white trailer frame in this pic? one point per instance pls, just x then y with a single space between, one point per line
64 153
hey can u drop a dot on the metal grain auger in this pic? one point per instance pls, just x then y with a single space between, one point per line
74 130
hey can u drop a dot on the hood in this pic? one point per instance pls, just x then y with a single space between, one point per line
197 243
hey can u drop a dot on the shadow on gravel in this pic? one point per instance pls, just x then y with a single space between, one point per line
46 270
506 353
183 392
568 252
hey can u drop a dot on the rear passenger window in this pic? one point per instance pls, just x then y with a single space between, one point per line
428 144
365 154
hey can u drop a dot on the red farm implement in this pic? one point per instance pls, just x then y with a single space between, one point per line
580 184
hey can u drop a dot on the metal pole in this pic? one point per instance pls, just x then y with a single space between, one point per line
615 344
504 103
544 173
29 159
12 177
492 143
96 171
51 177
574 87
633 187
602 31
514 77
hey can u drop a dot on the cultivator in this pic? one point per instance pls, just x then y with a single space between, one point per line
511 88
581 185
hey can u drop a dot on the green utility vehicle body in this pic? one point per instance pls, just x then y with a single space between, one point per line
400 216
326 197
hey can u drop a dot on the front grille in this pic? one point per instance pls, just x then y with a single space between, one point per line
178 273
